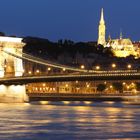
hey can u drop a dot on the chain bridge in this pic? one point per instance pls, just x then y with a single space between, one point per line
13 72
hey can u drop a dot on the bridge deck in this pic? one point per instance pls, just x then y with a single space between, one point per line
71 77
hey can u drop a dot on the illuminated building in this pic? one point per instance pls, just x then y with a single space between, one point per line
102 28
121 47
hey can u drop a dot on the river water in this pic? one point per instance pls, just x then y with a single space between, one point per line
70 121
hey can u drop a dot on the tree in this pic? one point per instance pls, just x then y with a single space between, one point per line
2 34
118 86
101 87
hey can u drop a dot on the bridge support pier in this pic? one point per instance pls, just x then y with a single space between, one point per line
13 94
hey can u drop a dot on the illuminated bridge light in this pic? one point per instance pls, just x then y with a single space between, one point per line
64 69
66 85
66 102
113 65
87 102
49 69
129 66
97 67
82 67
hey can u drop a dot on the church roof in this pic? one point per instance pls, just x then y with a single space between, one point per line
125 41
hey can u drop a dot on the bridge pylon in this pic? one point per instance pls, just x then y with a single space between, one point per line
10 66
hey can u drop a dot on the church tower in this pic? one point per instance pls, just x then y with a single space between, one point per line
101 30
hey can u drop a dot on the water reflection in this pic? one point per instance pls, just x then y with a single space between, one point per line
69 120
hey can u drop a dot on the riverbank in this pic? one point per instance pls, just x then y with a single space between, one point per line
81 97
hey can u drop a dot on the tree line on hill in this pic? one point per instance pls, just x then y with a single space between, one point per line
44 47
48 49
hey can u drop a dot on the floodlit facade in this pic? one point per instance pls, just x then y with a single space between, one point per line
121 47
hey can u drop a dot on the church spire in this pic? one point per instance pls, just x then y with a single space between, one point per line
101 30
102 17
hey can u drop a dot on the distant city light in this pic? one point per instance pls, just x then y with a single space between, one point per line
88 86
37 71
113 65
29 72
66 85
76 81
124 83
97 67
44 84
129 66
49 69
82 66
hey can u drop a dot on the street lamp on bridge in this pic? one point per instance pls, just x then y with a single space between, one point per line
49 69
82 67
97 67
113 65
129 66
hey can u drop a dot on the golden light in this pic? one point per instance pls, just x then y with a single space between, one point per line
82 66
135 91
66 102
111 86
76 82
64 69
113 65
129 66
49 68
88 86
87 102
37 71
44 84
133 84
97 67
66 85
44 102
29 72
128 87
124 83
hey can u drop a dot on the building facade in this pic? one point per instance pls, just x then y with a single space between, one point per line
121 47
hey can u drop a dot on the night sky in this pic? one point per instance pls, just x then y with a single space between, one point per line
69 19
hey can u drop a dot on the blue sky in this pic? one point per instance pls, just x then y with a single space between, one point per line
71 19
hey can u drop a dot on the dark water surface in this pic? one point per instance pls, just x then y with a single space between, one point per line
70 121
